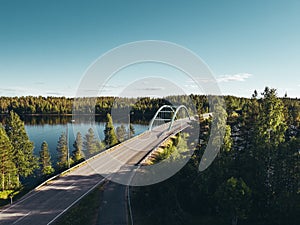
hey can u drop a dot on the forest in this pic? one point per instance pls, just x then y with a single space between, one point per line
255 178
142 108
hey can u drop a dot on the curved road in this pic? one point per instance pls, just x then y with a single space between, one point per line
46 203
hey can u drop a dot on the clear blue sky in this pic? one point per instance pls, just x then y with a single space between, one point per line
46 46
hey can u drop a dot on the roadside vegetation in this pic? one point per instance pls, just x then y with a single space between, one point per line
255 178
171 149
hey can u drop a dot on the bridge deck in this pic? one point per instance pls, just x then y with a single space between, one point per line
44 205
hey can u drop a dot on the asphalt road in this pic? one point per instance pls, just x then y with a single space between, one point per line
45 204
113 206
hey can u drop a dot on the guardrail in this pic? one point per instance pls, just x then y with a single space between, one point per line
89 159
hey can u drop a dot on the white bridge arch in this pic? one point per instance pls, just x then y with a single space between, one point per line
173 112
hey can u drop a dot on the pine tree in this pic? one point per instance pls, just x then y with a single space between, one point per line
9 178
90 142
227 141
121 133
62 149
45 160
100 145
78 145
269 133
24 158
233 199
217 131
272 124
110 135
255 94
131 131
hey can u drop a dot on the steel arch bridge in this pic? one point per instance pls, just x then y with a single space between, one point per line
169 110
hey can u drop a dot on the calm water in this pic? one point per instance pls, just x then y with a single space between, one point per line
50 133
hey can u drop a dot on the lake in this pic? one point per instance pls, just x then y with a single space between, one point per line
49 129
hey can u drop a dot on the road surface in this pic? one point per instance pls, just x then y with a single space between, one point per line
113 206
45 204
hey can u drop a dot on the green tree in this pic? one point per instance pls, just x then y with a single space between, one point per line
90 142
100 145
227 141
45 160
255 94
217 132
109 132
131 131
8 170
24 158
233 198
180 146
270 133
62 149
121 132
271 121
78 146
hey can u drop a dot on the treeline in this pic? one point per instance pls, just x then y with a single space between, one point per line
255 178
36 105
141 108
17 159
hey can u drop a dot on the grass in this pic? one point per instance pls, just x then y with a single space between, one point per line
5 194
85 211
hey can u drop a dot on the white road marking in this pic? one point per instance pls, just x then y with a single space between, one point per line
77 200
101 164
18 220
